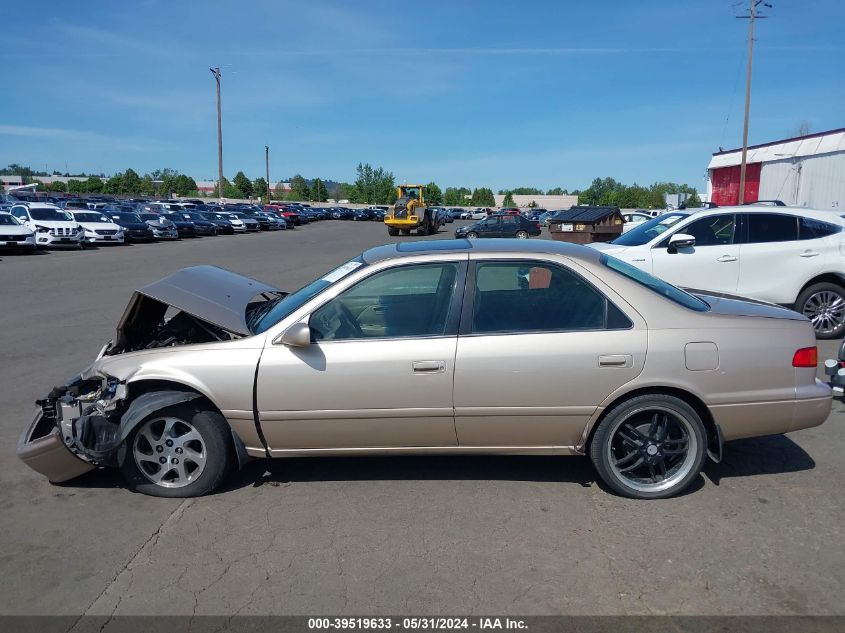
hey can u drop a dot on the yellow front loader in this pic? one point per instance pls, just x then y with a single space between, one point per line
411 213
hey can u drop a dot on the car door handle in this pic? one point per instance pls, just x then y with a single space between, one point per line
810 254
616 360
726 258
429 366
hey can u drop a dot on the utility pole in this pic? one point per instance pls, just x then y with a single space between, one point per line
216 73
751 17
267 167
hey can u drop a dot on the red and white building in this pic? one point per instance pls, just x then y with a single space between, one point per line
804 171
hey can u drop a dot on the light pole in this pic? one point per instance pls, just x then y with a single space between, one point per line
267 168
751 17
216 73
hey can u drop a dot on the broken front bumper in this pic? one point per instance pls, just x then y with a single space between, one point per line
42 448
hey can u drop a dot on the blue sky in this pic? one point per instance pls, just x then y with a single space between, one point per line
465 93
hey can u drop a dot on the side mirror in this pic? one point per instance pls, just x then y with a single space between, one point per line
680 240
297 335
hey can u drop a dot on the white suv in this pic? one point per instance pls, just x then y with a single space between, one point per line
791 256
53 226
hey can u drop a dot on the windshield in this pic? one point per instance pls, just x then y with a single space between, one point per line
8 220
647 231
76 205
90 217
673 293
48 215
274 311
149 216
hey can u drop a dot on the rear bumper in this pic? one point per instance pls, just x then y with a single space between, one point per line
812 406
43 450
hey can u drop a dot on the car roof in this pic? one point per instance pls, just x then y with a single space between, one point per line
488 246
826 215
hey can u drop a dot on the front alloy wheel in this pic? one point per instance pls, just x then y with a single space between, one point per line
181 451
649 447
472 235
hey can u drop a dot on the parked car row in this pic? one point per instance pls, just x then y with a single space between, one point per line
26 225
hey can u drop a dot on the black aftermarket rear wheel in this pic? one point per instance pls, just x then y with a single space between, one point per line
649 447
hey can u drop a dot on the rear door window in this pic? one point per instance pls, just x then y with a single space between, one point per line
771 227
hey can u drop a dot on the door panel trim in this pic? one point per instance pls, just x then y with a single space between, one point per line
357 414
520 411
426 450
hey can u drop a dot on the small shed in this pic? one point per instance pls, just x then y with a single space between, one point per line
582 225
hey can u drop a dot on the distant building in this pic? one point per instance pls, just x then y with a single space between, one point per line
552 203
11 181
805 171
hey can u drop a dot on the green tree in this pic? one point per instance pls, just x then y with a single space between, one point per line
557 191
229 190
299 189
184 186
130 182
456 196
259 189
279 193
374 186
113 185
433 194
508 201
693 202
243 184
148 187
318 191
483 197
57 185
525 191
76 186
346 191
93 185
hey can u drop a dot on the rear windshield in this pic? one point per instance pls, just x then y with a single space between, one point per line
8 220
673 293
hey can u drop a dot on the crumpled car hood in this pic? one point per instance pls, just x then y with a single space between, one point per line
213 294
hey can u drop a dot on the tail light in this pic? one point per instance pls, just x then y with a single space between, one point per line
805 357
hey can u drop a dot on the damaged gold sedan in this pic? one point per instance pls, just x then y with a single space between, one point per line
449 347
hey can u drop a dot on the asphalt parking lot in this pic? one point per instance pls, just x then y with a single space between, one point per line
760 533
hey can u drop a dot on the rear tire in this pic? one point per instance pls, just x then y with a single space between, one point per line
212 447
522 235
649 447
824 305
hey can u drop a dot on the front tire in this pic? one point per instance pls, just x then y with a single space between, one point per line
472 235
392 232
824 305
649 447
181 451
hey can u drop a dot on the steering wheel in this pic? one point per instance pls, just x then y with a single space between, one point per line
349 321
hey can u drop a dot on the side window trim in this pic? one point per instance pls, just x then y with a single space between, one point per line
468 302
452 318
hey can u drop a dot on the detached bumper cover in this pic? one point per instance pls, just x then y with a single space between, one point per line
42 448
